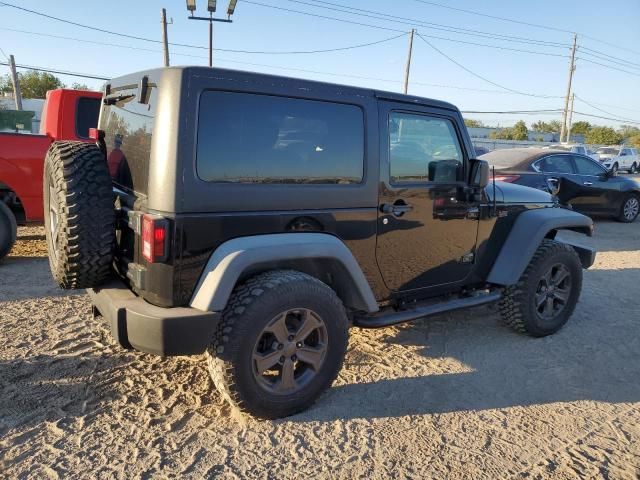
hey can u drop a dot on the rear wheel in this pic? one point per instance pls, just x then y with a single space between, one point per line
546 295
8 230
629 209
79 214
280 344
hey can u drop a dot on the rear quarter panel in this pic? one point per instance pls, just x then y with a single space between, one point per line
21 165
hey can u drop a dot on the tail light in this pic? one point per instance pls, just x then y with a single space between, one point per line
155 238
507 178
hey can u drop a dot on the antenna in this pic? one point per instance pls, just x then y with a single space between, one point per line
495 208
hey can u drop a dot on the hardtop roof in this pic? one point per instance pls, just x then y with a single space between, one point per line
134 78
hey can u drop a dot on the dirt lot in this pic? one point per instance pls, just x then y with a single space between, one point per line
454 397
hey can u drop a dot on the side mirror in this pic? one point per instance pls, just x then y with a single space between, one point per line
479 174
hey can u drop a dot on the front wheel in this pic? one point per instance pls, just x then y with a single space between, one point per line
634 168
615 168
280 344
546 294
629 209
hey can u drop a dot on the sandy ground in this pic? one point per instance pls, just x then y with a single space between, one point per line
454 397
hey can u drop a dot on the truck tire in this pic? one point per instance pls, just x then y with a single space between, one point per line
629 209
546 294
280 343
79 214
8 230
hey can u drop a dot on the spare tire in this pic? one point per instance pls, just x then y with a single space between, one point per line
8 229
79 214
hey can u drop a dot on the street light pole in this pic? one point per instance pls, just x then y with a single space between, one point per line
211 41
211 7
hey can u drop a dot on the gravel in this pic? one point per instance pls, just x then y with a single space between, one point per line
457 396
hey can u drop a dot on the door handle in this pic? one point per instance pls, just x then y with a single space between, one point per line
588 184
398 208
552 180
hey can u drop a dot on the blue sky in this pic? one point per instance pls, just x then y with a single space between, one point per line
257 27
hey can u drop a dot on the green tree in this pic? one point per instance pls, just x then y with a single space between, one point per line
580 128
519 131
628 131
35 84
554 126
603 136
79 86
471 123
634 140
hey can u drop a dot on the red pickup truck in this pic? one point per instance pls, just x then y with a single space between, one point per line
67 115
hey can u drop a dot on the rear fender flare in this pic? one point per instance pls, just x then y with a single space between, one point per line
526 235
238 258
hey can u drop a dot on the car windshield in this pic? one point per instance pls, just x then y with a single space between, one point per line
608 151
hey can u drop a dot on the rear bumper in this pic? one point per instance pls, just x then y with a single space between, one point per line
162 331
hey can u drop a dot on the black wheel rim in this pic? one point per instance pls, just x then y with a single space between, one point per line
290 351
631 208
552 294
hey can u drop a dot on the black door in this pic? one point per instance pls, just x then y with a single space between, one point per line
426 228
561 176
599 192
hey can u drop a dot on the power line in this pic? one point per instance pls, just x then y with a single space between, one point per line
59 72
608 66
597 108
4 54
414 22
537 25
621 120
481 77
110 32
609 58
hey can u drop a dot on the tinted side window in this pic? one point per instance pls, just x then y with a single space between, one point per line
248 138
423 149
586 166
87 116
556 164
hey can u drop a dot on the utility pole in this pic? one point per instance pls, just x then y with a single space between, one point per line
572 68
16 84
408 68
570 119
165 40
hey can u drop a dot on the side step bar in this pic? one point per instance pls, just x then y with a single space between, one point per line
383 319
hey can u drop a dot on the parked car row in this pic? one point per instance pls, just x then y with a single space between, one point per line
577 180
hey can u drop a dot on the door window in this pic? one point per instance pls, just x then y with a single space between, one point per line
587 166
556 164
423 149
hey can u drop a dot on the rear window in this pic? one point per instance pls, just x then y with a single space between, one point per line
128 126
87 115
608 151
253 139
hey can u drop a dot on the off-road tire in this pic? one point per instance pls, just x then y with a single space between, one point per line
76 177
250 308
517 307
621 217
8 229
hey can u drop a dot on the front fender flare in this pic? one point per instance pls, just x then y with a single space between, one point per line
234 257
526 235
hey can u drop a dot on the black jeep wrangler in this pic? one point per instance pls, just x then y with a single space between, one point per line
256 218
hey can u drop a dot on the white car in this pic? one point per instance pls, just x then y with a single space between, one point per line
575 148
619 158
